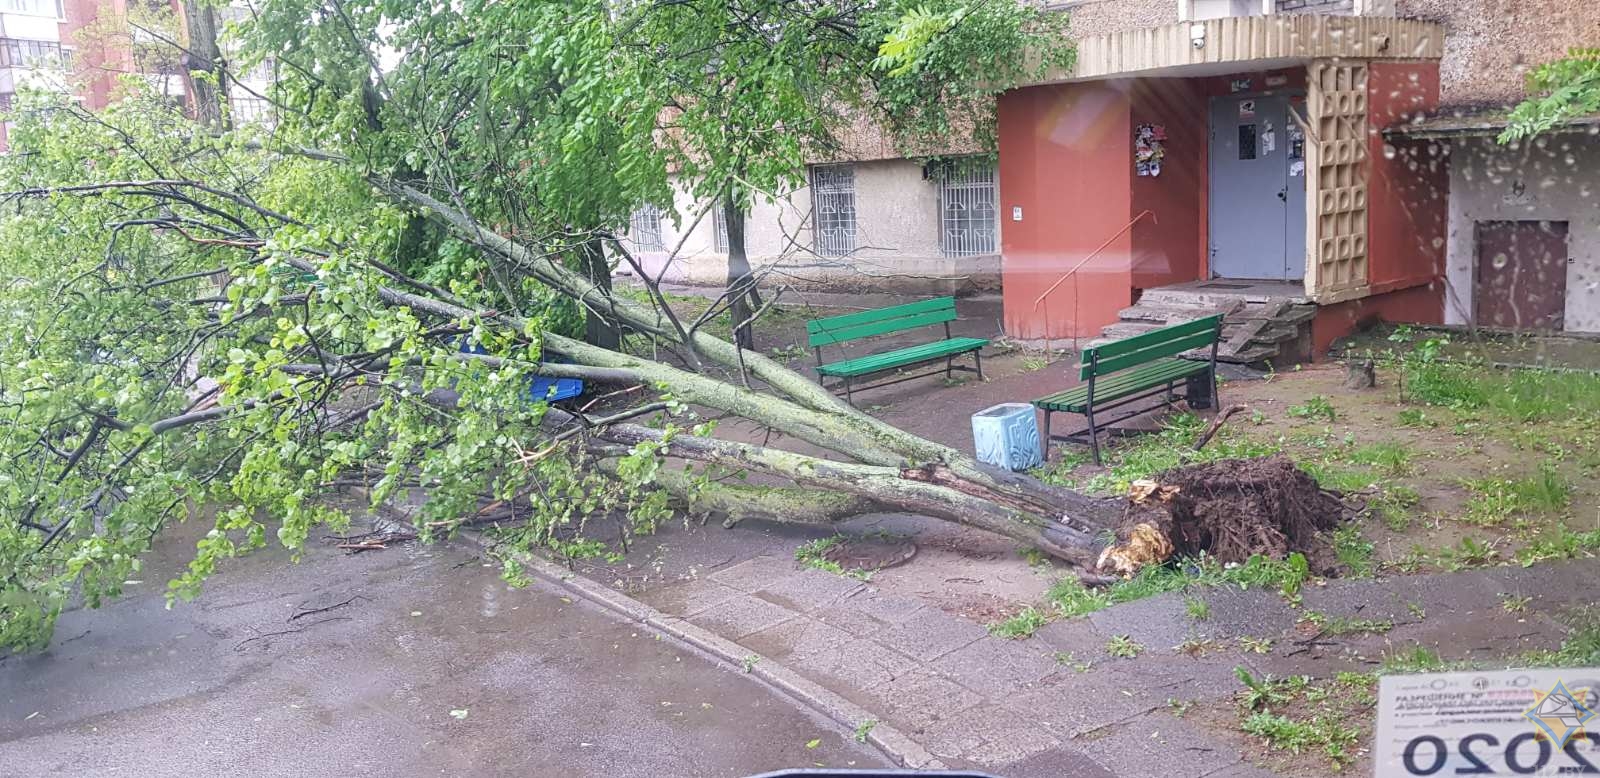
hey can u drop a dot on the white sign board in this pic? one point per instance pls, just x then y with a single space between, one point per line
1500 723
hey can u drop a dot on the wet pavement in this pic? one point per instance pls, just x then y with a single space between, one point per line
422 662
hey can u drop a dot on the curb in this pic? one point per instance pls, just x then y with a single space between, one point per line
896 744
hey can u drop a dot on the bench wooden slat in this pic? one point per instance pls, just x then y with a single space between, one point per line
1135 358
1116 387
863 324
909 355
1139 349
881 327
1152 338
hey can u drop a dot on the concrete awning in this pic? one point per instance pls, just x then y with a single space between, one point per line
1480 124
1218 46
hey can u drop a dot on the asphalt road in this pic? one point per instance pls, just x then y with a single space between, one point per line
424 663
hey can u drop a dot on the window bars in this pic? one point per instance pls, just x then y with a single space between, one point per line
646 229
719 230
968 223
833 196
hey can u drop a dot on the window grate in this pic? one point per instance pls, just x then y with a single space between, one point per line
250 109
719 230
833 194
646 229
967 213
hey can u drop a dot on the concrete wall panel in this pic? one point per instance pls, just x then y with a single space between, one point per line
1554 178
1490 44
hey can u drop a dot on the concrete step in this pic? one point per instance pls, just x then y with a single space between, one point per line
1165 313
1255 328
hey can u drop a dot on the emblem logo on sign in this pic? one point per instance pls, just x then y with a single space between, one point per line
1559 713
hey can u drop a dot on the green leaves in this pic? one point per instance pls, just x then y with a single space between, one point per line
1561 90
905 45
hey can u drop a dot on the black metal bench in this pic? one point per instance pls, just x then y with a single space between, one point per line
1123 372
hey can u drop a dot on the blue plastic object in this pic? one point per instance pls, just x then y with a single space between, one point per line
539 387
1007 435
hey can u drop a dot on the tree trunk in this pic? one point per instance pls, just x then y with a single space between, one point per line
742 298
204 56
907 490
910 473
598 329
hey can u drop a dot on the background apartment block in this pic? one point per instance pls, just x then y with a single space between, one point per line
84 46
1331 157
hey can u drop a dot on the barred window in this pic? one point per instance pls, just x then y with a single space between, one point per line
646 229
250 109
719 230
833 195
968 218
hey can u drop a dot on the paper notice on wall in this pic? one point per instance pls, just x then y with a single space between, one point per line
1269 140
1297 168
1247 109
1149 148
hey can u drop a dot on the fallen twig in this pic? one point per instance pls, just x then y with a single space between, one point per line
247 641
327 608
1216 424
371 545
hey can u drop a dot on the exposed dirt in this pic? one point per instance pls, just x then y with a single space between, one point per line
1233 509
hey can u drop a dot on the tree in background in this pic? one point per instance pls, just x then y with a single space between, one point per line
754 89
1561 90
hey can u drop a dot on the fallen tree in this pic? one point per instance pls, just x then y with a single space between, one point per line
245 321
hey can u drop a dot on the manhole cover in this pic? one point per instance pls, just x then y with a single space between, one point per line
871 554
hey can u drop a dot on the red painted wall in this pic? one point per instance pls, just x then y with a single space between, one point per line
1169 250
1066 158
1417 305
1408 183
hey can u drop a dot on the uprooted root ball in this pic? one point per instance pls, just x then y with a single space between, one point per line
1231 509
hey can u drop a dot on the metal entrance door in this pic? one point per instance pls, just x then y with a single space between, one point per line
1522 275
1257 207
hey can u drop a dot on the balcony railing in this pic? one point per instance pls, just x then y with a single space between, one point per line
19 53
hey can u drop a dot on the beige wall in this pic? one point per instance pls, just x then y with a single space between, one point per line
1553 179
1098 17
1490 44
897 239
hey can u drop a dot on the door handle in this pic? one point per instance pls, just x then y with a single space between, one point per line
1283 194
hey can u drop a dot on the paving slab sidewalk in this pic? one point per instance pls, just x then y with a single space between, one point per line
1058 704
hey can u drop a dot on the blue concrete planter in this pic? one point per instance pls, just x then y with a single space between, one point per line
1007 435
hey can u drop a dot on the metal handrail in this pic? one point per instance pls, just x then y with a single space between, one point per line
1073 272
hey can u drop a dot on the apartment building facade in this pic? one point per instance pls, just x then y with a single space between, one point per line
84 46
867 218
1293 154
1309 154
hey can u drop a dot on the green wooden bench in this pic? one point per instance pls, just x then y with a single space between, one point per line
1126 371
884 321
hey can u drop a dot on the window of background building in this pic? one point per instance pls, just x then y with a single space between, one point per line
250 109
719 230
18 53
33 7
833 202
646 229
968 217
